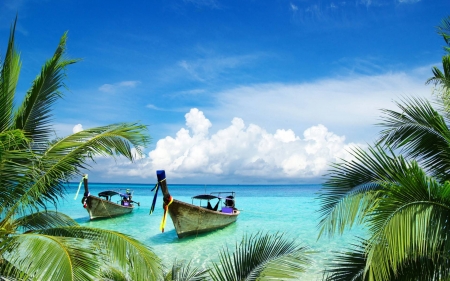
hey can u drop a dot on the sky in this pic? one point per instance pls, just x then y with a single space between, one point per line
233 92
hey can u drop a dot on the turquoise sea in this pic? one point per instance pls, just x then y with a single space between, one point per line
290 209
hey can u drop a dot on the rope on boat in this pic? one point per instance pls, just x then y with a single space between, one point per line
104 206
166 208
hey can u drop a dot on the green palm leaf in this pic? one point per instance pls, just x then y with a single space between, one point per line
404 200
410 223
9 75
351 189
349 266
44 220
111 140
42 257
268 256
444 31
33 171
111 273
67 156
182 271
118 250
422 134
441 79
12 154
34 115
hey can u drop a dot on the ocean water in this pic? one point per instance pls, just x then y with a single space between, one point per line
289 209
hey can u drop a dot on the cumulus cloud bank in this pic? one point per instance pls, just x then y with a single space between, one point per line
245 153
345 105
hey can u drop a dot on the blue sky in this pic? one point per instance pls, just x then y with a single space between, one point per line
232 91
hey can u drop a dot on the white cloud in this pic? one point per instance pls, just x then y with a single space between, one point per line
197 122
349 105
112 88
131 84
152 106
210 67
77 128
291 132
239 152
106 88
293 7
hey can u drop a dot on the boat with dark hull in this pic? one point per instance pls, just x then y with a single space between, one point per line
190 219
108 204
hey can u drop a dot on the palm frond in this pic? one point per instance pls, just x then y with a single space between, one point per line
118 249
9 75
66 157
14 165
348 266
444 31
351 188
441 79
419 268
34 114
182 271
12 155
111 140
44 220
42 257
112 273
410 224
268 256
421 133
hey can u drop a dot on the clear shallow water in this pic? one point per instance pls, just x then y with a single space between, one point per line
290 209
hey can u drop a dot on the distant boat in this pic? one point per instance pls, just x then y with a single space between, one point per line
108 204
189 219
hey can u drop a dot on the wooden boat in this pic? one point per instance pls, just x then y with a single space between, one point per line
108 204
189 219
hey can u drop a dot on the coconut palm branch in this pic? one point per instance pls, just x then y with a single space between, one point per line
43 220
407 218
349 266
12 167
11 155
408 215
112 273
66 157
182 271
422 134
48 245
117 249
34 114
440 79
444 31
268 256
409 224
9 76
352 266
352 188
29 256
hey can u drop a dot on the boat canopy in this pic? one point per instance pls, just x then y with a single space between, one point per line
206 197
111 193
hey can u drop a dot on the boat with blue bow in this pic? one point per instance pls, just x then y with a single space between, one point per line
207 212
